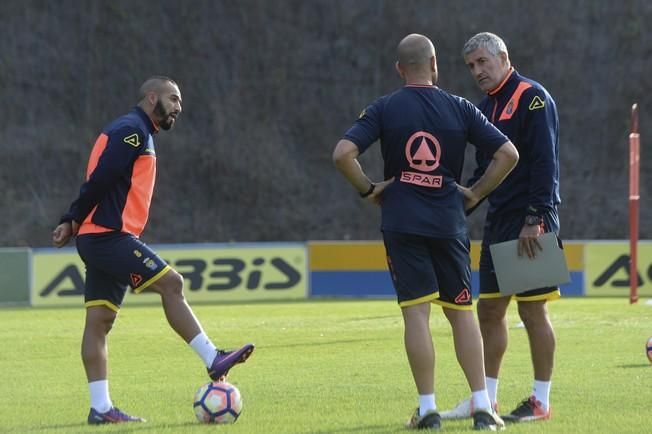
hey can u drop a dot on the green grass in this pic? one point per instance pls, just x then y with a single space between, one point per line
319 367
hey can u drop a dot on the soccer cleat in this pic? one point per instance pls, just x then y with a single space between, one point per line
486 420
527 411
463 410
430 420
224 360
114 415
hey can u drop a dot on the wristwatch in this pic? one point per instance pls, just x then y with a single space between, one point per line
533 220
368 192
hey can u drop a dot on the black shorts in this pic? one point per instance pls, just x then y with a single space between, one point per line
115 260
425 269
506 227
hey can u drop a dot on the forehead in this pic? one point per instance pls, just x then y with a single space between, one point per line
478 53
170 89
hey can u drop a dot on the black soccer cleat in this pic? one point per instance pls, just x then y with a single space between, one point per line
528 410
486 420
430 420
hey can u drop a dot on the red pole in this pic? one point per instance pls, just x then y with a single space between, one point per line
634 156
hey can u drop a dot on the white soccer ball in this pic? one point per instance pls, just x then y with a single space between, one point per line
217 402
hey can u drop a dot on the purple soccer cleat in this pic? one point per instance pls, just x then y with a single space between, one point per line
224 360
114 415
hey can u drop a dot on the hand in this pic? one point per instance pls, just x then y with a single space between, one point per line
376 196
471 200
62 233
528 242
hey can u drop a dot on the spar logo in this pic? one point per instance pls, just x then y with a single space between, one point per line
423 152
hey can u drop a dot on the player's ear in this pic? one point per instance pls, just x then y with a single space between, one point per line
152 97
399 70
504 57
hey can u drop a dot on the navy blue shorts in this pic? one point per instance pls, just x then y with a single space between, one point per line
506 227
425 269
114 261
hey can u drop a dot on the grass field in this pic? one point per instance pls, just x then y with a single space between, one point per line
319 367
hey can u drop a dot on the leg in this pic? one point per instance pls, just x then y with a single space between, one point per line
419 347
493 325
468 349
183 321
94 350
177 311
468 346
541 336
542 348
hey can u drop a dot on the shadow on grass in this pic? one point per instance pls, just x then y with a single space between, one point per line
123 427
362 428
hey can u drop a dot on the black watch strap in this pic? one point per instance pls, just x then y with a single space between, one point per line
368 192
533 220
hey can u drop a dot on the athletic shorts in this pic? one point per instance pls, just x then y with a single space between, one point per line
425 269
506 227
115 260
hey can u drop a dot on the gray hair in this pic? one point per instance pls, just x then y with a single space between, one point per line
492 43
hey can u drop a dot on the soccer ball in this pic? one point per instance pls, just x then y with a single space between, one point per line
648 349
217 402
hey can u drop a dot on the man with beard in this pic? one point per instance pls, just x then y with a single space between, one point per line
107 217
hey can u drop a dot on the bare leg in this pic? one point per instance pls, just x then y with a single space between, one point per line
541 336
468 346
493 325
94 349
177 311
419 347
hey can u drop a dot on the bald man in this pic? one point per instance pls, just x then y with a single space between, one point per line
423 132
107 218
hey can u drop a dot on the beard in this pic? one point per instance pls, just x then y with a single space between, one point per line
166 121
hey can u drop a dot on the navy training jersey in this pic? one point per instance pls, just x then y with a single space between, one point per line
119 179
423 133
526 113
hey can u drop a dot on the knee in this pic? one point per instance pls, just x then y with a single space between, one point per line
172 284
99 320
491 312
533 313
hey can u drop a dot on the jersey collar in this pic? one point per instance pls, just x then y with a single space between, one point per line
509 75
152 127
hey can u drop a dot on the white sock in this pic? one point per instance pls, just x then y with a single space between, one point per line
492 389
100 399
481 400
541 391
204 348
426 404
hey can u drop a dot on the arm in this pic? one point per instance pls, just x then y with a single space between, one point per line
115 159
345 157
502 162
542 137
482 163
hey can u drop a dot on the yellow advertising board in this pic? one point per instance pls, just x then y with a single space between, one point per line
607 268
212 273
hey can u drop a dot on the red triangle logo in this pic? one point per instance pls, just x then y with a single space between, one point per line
135 279
464 296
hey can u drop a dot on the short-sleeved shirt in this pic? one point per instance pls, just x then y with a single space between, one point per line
423 134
